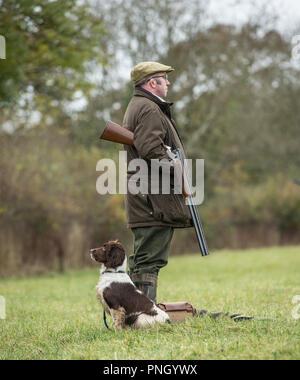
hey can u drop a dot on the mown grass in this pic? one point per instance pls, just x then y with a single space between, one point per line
57 316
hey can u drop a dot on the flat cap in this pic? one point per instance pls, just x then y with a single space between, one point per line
145 69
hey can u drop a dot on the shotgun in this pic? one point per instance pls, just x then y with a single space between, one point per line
116 133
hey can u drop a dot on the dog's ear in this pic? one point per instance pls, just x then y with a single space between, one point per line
115 256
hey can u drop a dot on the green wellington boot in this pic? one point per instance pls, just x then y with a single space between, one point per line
146 283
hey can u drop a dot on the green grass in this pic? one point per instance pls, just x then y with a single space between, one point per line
57 316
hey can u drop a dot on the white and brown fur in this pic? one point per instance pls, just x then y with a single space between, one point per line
118 295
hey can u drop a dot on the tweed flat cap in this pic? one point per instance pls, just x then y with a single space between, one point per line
145 69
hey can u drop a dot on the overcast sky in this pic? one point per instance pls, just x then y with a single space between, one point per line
238 12
287 10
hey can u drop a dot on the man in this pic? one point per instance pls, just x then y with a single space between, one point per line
152 217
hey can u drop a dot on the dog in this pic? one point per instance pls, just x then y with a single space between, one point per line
118 295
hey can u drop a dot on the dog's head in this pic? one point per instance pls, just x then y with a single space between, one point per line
111 254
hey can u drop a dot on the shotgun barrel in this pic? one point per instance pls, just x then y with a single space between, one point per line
193 210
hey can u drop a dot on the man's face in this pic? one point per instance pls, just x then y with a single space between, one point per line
159 84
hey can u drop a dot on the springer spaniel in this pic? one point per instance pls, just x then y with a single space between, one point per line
118 295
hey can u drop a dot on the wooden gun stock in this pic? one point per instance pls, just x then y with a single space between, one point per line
179 169
116 133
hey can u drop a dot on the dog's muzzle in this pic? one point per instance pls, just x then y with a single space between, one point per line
97 254
92 254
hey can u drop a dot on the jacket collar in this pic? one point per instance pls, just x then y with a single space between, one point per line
164 106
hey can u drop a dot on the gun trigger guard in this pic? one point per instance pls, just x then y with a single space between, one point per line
171 155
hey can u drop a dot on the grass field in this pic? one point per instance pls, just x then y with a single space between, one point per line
57 316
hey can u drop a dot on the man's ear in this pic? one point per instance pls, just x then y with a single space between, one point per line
153 83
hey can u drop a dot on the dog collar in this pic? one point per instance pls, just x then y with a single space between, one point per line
111 271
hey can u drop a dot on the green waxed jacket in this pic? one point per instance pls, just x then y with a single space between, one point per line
150 120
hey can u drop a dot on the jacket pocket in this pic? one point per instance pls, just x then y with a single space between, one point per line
137 208
169 208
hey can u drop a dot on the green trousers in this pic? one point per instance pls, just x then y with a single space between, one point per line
151 249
